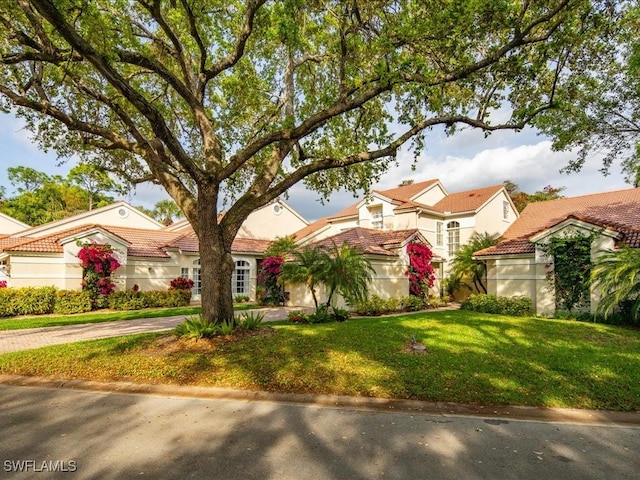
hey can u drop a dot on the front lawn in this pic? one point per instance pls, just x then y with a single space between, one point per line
470 357
102 316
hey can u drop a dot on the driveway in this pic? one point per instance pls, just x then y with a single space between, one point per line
27 339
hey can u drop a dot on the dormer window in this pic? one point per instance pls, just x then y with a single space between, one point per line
376 217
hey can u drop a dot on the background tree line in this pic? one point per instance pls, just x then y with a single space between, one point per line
39 198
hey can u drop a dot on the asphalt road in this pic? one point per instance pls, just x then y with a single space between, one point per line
102 435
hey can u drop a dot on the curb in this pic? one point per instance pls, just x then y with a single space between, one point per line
502 412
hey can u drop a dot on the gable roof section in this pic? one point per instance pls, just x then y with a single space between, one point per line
14 225
141 243
41 230
310 229
189 243
467 201
400 195
373 242
618 210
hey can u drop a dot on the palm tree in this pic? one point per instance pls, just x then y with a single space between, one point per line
617 274
463 264
306 267
348 272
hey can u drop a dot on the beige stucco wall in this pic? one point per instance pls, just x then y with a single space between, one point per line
10 225
490 217
36 271
267 223
527 274
432 196
388 281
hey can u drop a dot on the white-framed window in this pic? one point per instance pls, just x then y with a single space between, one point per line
453 236
439 234
197 281
184 272
376 217
506 208
240 278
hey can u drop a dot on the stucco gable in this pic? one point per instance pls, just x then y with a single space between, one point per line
9 225
117 214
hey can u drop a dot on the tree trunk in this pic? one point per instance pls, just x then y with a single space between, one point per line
216 265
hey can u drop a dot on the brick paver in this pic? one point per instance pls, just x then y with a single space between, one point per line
27 339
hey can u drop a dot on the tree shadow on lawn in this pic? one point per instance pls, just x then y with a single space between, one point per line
485 359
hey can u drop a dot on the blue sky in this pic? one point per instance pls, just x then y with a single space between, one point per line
463 161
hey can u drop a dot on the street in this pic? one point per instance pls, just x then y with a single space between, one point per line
67 433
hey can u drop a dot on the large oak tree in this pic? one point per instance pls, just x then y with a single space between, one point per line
229 103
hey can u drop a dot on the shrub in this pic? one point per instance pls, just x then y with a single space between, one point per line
376 305
167 298
297 317
241 298
3 284
518 306
7 302
27 301
181 283
411 303
98 262
340 315
320 315
127 300
196 327
250 320
72 301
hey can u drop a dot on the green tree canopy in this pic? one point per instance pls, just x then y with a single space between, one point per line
236 101
522 199
599 112
42 198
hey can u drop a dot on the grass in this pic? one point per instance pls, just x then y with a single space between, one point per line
39 321
472 358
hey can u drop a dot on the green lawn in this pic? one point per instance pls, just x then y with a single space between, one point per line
471 358
98 317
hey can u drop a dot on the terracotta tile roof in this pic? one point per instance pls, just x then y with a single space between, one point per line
189 243
468 201
401 195
618 210
47 244
376 242
311 228
406 192
142 242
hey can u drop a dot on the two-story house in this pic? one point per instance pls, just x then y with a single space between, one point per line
424 210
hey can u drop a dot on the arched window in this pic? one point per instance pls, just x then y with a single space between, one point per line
197 282
240 278
453 236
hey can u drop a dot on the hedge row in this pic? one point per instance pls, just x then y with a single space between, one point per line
518 306
44 300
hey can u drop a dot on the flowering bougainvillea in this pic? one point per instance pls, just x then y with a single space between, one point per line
3 284
269 272
98 263
420 272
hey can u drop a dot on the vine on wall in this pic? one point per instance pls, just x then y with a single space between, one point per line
570 271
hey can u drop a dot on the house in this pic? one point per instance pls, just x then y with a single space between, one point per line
385 250
443 220
518 264
150 254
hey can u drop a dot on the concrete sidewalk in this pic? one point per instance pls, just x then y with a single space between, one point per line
27 339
